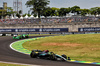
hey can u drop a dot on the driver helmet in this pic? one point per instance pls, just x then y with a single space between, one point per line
46 51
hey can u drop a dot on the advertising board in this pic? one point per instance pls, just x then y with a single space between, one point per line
90 29
35 30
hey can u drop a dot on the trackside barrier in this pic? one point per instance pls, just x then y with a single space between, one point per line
17 46
3 34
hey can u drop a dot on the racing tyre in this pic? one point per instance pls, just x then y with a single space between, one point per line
26 36
20 38
52 56
33 55
64 56
23 37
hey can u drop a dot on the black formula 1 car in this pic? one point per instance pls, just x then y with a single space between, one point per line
48 55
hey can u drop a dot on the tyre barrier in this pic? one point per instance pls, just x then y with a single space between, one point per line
17 46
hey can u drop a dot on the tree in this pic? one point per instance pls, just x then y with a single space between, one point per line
3 13
37 6
75 9
26 14
63 11
47 12
20 12
18 15
98 10
84 12
54 11
10 11
94 11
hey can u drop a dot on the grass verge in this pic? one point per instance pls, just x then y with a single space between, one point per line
42 34
83 47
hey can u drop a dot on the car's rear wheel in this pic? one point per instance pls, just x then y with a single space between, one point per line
33 55
52 56
26 36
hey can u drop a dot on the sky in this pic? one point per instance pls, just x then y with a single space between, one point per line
59 3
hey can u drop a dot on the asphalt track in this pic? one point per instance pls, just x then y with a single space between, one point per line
9 55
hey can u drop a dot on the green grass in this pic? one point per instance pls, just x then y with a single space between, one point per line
42 34
5 64
83 47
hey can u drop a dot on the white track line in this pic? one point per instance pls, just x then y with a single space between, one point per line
19 52
15 49
18 63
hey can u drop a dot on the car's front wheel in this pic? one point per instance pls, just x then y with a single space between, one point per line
64 56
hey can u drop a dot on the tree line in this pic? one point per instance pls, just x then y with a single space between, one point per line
41 8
